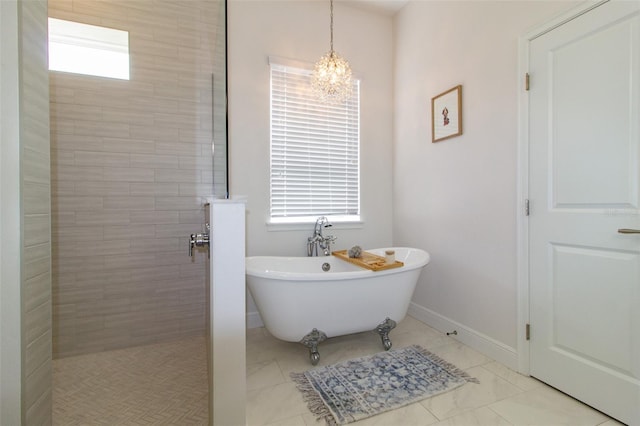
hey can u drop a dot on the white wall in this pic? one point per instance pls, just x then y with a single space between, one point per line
227 338
457 198
300 30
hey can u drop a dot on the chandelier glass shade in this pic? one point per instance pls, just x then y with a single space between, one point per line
331 79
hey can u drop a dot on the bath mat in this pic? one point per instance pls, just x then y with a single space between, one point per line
356 389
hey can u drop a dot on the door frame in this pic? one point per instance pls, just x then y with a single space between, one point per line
522 194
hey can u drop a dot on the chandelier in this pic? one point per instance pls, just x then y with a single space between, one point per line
331 79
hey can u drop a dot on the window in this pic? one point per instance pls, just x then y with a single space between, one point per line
87 49
314 151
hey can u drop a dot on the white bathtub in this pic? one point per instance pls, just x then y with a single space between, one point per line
294 295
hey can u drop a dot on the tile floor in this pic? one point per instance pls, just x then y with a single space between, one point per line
160 384
166 384
503 397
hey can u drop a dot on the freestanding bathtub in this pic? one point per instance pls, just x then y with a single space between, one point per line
308 299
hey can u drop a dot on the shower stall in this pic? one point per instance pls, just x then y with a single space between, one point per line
131 169
133 163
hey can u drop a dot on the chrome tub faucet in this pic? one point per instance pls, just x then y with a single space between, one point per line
318 241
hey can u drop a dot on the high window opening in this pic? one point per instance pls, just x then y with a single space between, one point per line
88 49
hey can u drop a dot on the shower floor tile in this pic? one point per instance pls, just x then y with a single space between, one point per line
160 384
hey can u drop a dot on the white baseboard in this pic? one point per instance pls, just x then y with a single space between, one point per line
254 320
474 339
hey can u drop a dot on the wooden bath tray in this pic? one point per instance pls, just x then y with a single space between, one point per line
368 260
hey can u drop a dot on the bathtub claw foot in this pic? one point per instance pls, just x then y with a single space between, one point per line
383 330
314 357
386 342
311 341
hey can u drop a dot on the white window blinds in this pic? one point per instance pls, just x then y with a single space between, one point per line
314 150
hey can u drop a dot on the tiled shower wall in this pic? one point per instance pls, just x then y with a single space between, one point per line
36 217
131 166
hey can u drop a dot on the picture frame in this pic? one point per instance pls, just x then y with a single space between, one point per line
446 114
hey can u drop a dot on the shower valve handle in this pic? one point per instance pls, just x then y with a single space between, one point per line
198 240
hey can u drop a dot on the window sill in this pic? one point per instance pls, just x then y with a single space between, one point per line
308 226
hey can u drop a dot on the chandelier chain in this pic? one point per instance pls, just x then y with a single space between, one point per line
331 2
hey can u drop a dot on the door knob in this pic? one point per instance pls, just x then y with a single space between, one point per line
629 231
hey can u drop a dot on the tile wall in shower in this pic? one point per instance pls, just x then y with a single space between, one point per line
35 214
131 166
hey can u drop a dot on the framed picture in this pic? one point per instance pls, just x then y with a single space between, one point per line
446 115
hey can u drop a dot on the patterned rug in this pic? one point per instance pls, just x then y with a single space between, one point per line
356 389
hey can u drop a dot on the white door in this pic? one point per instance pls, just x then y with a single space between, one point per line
584 153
